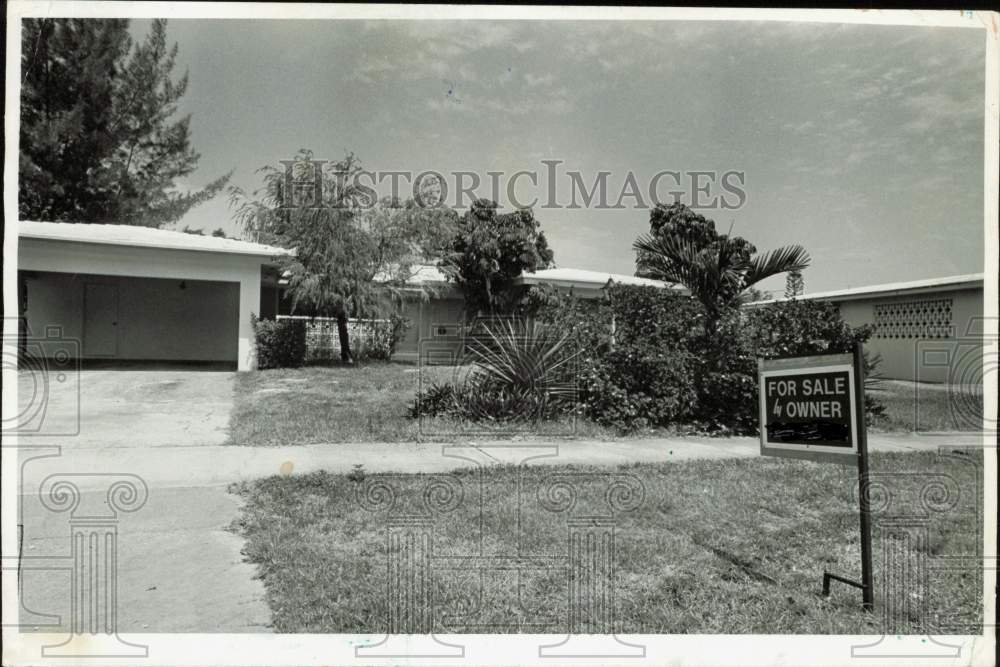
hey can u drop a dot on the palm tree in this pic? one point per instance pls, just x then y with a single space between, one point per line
716 273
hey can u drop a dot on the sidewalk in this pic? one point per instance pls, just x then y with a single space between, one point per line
219 465
181 569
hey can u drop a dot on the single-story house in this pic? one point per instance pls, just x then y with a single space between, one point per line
436 309
924 330
125 293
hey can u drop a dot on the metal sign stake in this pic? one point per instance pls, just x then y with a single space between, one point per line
867 581
867 585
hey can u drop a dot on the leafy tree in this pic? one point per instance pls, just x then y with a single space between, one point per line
794 285
99 141
684 247
407 236
352 254
489 251
219 233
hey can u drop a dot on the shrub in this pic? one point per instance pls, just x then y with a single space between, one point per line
524 361
280 343
725 379
639 373
799 328
727 403
437 399
485 398
382 336
518 374
630 388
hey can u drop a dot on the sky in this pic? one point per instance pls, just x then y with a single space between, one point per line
862 143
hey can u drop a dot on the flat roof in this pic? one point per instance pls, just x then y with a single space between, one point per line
944 284
426 273
429 274
142 237
568 277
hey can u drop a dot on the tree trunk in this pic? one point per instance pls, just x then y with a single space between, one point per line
344 337
713 319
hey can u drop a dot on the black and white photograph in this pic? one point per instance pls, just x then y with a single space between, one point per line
482 335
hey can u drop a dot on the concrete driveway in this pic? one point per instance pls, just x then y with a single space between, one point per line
180 568
128 408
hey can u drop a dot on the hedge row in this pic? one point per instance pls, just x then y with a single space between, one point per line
645 360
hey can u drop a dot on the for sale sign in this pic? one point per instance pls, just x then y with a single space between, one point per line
808 408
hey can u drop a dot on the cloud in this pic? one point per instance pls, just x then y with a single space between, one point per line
519 106
804 127
369 72
539 80
937 109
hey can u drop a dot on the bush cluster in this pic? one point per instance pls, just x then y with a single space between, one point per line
799 328
646 362
280 343
642 359
637 349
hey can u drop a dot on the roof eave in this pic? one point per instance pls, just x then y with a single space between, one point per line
282 252
878 294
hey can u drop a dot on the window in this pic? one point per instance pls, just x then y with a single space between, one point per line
925 318
445 330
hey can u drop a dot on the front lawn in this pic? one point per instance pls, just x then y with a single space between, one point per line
320 404
725 546
365 403
928 408
368 403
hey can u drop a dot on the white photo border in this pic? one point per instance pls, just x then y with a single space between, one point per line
284 649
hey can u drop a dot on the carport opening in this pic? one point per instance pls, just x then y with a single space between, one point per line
118 322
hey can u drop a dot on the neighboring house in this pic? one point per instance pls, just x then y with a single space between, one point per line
125 293
925 330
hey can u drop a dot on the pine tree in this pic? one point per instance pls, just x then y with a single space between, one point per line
794 285
99 142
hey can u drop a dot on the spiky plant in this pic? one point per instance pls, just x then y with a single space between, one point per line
526 372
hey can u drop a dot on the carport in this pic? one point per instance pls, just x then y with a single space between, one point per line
120 293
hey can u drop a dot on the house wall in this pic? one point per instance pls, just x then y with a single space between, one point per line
46 255
435 330
156 319
912 344
437 324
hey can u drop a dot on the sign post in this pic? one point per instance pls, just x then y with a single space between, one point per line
867 581
813 408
